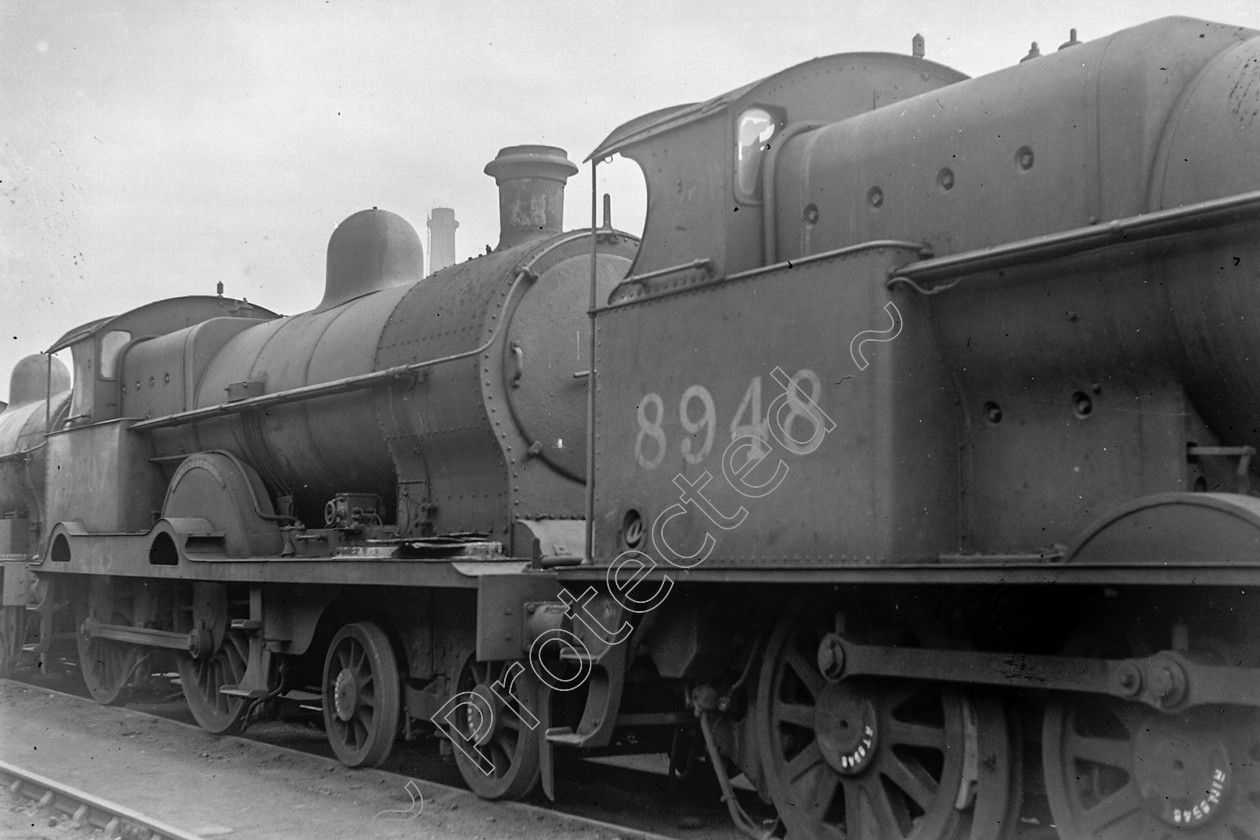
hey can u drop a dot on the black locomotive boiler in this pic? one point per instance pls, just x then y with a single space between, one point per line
906 465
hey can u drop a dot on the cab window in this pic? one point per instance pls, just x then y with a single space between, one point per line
112 344
84 383
753 129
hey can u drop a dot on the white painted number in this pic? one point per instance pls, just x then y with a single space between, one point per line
789 406
650 429
707 422
751 405
796 401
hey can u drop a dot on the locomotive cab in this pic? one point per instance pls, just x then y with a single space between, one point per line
105 480
97 348
710 166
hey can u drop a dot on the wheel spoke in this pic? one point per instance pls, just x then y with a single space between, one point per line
868 813
915 734
885 817
1115 807
893 697
506 743
1112 752
796 714
354 733
235 658
807 671
852 810
803 761
913 780
216 698
825 790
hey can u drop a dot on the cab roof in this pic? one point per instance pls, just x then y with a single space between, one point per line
668 119
163 316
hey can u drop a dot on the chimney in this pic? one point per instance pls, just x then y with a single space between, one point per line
442 227
531 191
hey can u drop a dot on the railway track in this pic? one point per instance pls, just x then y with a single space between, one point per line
85 809
604 791
635 804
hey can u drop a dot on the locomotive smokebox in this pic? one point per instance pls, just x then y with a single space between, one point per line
531 191
371 250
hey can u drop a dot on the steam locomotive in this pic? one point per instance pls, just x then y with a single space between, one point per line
904 468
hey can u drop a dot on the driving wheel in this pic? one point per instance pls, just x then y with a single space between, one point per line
202 678
507 746
107 666
873 758
362 695
1116 769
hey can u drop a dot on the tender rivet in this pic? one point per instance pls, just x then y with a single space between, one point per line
1082 405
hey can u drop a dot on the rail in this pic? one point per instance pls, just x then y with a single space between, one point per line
1217 211
86 809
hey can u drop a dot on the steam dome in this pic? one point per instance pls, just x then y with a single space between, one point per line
371 250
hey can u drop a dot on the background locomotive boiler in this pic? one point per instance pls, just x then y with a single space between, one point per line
430 432
923 423
39 395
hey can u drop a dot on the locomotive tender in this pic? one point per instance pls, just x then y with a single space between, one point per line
917 480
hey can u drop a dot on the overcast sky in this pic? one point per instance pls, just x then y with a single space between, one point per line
152 149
